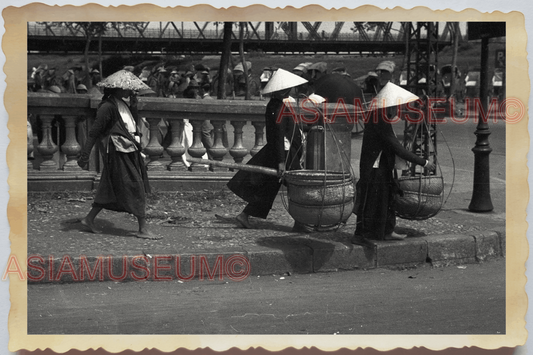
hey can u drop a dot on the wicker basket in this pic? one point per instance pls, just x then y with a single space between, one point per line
318 198
321 216
322 195
422 197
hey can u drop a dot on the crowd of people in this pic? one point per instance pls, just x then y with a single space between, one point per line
192 83
75 80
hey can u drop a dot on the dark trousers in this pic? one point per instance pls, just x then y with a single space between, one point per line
375 210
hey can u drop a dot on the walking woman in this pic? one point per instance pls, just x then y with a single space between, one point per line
282 152
376 217
124 182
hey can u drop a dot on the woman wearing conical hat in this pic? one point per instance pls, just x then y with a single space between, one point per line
282 151
375 212
124 182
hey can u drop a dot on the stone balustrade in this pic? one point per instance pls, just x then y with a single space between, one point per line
62 121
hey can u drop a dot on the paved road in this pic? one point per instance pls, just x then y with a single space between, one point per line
463 299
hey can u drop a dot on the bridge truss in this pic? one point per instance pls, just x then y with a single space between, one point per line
206 37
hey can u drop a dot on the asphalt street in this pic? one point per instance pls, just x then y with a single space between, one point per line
460 299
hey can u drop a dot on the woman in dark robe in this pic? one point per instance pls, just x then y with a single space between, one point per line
282 152
124 181
375 212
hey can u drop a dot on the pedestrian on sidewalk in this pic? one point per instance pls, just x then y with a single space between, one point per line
124 181
282 152
374 208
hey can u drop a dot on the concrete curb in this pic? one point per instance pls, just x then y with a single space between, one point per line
301 255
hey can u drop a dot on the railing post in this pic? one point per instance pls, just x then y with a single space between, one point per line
47 147
259 130
176 149
30 146
154 148
218 151
71 147
238 152
197 149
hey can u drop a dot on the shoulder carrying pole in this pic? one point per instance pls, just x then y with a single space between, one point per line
246 167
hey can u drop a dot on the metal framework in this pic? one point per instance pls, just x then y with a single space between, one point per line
203 38
422 41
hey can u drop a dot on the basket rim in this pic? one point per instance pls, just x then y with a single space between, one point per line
318 175
421 177
351 201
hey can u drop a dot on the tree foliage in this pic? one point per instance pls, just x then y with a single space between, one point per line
90 30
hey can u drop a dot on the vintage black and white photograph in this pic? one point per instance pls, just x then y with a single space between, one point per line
247 177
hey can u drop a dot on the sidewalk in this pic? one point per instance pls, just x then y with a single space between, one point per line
188 225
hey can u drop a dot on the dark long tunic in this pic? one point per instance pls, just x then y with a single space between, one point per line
260 190
124 181
375 206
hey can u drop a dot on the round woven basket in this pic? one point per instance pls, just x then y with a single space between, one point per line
322 216
422 197
320 198
319 195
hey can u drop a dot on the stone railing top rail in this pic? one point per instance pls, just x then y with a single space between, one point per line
171 108
150 107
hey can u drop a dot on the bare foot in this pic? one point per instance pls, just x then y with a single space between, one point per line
243 221
395 236
302 228
90 225
145 235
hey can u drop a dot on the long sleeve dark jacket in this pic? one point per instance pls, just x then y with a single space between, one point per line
379 137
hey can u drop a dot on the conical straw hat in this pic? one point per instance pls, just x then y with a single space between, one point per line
393 95
281 80
123 79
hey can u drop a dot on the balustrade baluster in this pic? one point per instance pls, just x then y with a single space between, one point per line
154 148
71 148
176 149
218 151
238 152
30 146
47 147
197 149
259 130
